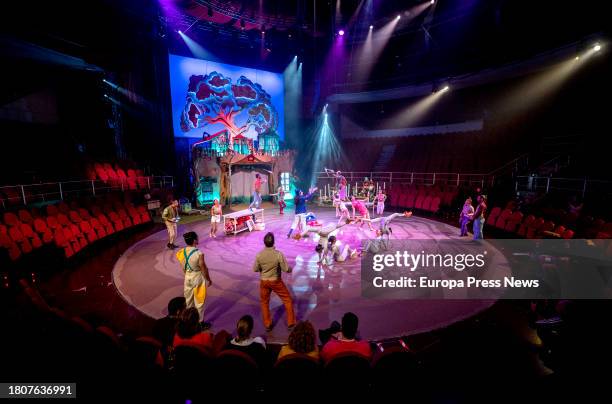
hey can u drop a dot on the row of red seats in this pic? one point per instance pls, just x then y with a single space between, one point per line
532 226
430 200
527 227
106 172
71 228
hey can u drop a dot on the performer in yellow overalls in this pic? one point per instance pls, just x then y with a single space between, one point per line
197 278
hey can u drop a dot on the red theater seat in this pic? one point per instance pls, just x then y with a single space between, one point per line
144 214
98 227
88 231
500 223
495 212
25 216
84 214
62 219
17 236
116 221
40 226
11 219
567 234
28 233
522 230
74 217
52 222
426 203
535 227
513 222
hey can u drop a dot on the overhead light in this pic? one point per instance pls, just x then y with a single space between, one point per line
398 16
341 32
371 26
445 88
597 47
577 58
180 32
432 1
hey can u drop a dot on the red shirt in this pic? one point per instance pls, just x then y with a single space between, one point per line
203 339
334 347
257 184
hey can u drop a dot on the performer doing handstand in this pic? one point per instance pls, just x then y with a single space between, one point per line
383 230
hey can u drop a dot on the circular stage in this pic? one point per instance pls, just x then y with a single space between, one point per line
148 275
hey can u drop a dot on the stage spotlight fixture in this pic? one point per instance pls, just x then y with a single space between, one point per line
263 29
341 32
371 27
180 32
597 47
445 88
432 1
398 16
577 58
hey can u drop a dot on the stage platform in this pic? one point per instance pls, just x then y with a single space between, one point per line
148 275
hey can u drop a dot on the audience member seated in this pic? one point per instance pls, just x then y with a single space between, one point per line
189 330
254 347
345 340
164 328
302 340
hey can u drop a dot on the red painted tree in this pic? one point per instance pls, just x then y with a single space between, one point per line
213 99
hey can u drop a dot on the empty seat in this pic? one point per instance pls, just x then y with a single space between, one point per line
74 217
522 230
500 223
534 228
513 222
45 233
29 233
88 231
427 203
435 204
11 219
18 238
52 210
25 216
495 212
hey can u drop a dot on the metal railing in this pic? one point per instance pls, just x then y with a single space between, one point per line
11 195
382 179
579 186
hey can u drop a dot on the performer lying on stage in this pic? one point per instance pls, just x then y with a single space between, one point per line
340 256
300 209
324 236
360 207
383 230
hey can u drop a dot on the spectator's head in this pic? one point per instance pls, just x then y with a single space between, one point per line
174 203
303 338
244 328
176 306
189 323
269 239
350 322
191 238
332 240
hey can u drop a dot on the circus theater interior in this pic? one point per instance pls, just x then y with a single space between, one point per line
264 200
